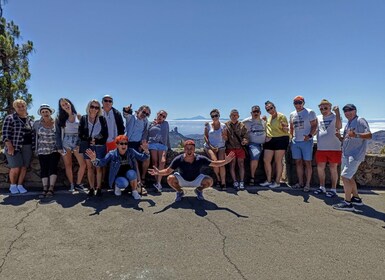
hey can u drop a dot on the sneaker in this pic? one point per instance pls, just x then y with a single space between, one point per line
136 195
331 194
79 187
306 188
357 201
99 192
91 193
296 186
274 185
320 190
21 189
344 206
13 189
118 191
158 187
241 186
72 188
199 194
223 187
265 184
179 196
236 185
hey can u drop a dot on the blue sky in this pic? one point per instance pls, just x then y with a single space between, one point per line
189 56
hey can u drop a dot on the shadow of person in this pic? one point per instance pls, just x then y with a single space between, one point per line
370 212
17 200
200 207
294 192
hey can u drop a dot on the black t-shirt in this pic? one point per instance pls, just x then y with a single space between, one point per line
27 140
189 171
124 165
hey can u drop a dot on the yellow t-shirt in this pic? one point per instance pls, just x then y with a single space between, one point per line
274 127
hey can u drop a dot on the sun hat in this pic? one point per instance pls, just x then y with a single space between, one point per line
47 107
324 102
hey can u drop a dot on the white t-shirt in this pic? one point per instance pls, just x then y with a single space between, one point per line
256 130
301 123
326 134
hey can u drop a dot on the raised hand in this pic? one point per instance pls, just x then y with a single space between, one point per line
91 154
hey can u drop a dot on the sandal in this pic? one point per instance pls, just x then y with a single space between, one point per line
143 190
331 194
44 193
319 191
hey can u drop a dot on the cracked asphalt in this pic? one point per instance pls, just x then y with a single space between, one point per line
254 234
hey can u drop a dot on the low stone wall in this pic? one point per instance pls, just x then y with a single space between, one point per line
371 172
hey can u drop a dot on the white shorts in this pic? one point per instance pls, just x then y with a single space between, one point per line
349 167
196 183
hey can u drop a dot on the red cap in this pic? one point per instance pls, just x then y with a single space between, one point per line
299 98
189 142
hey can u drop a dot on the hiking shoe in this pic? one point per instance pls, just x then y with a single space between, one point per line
99 192
223 187
236 185
136 195
331 194
320 190
306 188
274 185
117 191
199 194
357 201
296 186
265 184
158 187
21 189
91 193
13 189
72 188
241 186
179 196
79 188
344 206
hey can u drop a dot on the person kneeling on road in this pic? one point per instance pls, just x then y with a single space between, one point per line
123 165
189 175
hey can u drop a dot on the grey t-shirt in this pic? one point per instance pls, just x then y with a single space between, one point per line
355 147
256 130
326 134
301 122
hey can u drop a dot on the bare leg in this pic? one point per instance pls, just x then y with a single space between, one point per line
206 183
222 169
162 163
241 167
267 158
82 166
232 169
278 157
90 174
253 167
213 156
349 186
23 171
299 169
321 173
173 182
99 174
309 171
14 175
333 174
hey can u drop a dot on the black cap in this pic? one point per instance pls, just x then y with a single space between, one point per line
349 107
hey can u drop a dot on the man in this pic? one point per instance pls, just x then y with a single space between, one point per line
328 146
235 135
189 165
114 121
354 145
303 126
137 132
256 128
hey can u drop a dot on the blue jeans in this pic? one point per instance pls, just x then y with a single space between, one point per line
123 182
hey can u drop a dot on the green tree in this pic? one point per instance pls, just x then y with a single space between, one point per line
382 152
14 66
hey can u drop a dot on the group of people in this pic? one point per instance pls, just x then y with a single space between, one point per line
119 146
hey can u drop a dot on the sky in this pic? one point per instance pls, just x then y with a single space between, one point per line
190 56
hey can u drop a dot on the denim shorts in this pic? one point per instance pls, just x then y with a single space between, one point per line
123 182
20 158
255 151
100 151
71 141
302 150
349 167
157 147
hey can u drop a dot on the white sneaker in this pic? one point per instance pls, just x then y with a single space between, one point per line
21 189
136 195
236 185
72 188
13 189
158 187
265 184
274 185
241 186
118 191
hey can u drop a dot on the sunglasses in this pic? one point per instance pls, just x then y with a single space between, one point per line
323 108
145 113
348 110
94 107
256 111
107 100
214 116
45 112
269 109
163 116
298 102
123 143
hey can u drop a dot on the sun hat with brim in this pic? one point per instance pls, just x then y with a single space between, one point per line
324 102
46 107
349 107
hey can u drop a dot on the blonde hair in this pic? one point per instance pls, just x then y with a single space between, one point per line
17 102
89 104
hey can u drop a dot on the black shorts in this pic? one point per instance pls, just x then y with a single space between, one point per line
277 143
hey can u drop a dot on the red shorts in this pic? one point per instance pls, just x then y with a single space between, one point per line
239 153
110 146
328 156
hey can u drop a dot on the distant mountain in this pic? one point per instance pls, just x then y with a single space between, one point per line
196 118
377 142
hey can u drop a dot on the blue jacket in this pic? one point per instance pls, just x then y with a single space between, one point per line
113 158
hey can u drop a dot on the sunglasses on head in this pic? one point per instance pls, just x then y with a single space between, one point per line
298 102
145 113
256 111
269 109
94 107
214 116
107 100
123 143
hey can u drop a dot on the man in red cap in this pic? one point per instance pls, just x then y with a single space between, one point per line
303 126
189 165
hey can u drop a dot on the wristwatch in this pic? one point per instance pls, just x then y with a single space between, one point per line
310 135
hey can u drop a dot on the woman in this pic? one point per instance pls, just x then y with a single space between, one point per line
67 141
93 133
19 138
159 143
122 165
215 145
277 141
46 149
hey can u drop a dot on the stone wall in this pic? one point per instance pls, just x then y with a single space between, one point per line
371 172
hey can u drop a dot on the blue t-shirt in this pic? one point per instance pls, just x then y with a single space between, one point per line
189 171
355 147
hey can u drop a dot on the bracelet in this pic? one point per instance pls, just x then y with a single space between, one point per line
358 135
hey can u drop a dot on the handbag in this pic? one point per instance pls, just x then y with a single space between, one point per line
85 144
